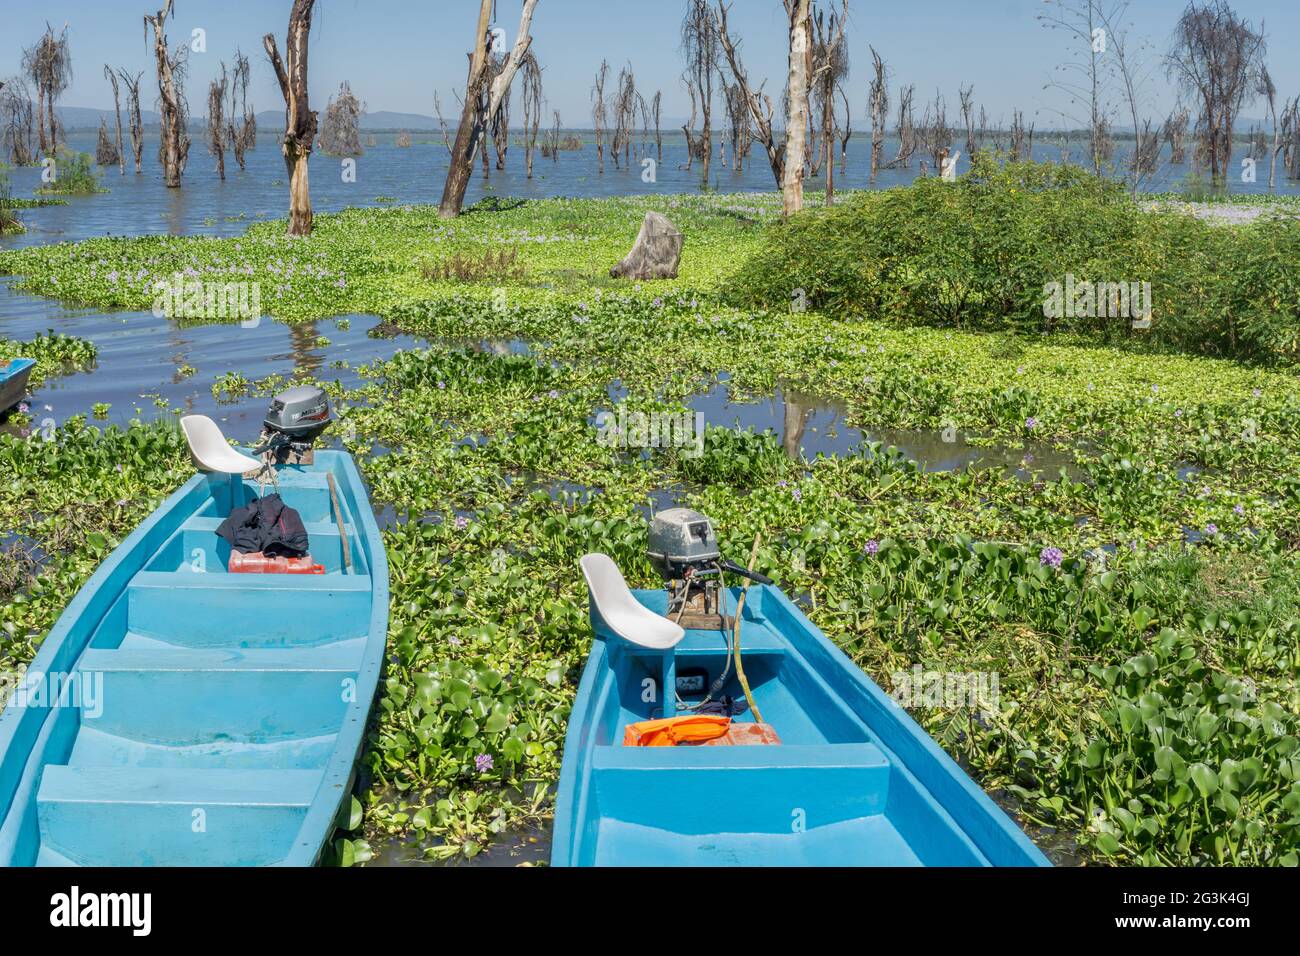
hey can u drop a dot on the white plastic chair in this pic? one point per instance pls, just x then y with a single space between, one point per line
626 616
210 451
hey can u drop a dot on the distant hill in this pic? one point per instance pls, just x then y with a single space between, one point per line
81 117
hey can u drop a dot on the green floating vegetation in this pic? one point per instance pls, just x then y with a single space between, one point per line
55 354
1141 610
16 202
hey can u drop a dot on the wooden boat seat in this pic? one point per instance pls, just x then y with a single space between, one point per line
621 611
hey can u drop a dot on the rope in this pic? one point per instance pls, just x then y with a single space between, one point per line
735 641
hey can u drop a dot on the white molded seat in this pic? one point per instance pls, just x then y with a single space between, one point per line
209 449
626 616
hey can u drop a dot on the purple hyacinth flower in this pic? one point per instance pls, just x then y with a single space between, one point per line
1050 557
483 763
1211 529
872 547
1031 423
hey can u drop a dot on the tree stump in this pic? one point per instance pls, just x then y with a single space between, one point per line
656 252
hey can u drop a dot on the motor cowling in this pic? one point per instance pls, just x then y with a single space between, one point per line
300 414
682 540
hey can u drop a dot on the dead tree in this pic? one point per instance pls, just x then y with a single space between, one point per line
830 65
1146 152
1174 133
299 119
532 108
105 155
117 118
48 64
757 102
136 122
905 129
1017 136
700 50
482 101
551 142
936 135
624 116
878 105
1267 89
1083 77
655 113
737 122
244 135
799 21
966 96
1127 64
1291 138
442 123
499 125
17 135
599 112
694 142
844 129
402 140
1215 56
340 130
174 146
217 120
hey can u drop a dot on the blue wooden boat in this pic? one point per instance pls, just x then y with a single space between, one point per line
13 381
854 782
201 717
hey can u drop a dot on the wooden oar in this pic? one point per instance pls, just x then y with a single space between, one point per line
735 639
338 518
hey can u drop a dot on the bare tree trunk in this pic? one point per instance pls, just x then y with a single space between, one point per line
217 121
799 14
759 105
598 112
474 121
133 115
117 114
174 148
299 120
879 100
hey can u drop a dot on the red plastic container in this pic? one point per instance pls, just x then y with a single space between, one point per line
255 562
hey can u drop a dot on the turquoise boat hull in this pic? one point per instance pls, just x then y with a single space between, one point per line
181 715
13 382
854 782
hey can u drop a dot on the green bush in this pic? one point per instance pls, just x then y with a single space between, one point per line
980 253
75 175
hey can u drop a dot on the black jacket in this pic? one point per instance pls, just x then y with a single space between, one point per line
267 525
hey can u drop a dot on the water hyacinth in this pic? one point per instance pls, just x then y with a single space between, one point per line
942 583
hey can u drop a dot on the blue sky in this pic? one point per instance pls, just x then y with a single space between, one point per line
395 54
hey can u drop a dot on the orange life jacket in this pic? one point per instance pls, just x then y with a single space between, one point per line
671 731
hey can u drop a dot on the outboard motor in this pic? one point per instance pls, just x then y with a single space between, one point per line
296 418
684 550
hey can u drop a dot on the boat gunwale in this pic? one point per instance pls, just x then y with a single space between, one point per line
23 728
575 775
